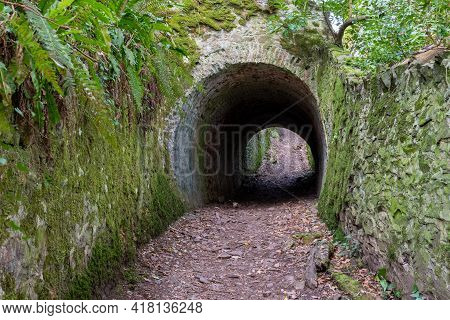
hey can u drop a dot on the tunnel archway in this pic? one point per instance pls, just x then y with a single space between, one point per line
278 166
221 115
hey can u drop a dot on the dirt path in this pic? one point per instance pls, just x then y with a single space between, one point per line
248 250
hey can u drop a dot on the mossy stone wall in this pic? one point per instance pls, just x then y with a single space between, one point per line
67 227
387 175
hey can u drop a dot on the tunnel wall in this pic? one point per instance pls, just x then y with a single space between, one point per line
225 60
68 227
387 177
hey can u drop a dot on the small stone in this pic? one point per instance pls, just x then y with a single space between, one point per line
290 279
299 285
202 279
291 294
235 204
224 256
236 253
289 244
311 272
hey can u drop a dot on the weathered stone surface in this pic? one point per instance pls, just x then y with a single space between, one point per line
396 198
318 261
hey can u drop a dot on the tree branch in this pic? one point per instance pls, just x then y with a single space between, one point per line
345 25
326 15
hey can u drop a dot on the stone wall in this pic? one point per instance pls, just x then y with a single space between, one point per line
388 169
67 227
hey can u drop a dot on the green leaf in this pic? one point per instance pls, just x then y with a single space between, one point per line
384 284
130 56
381 273
58 8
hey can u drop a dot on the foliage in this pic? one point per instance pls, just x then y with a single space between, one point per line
389 289
377 32
416 295
349 246
56 49
293 19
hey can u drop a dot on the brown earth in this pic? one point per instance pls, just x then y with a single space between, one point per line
256 248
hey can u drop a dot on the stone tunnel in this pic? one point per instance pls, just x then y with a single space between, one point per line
380 146
220 118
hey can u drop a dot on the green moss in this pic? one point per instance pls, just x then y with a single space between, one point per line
307 237
349 285
310 157
309 43
131 276
8 285
333 195
6 130
199 15
258 148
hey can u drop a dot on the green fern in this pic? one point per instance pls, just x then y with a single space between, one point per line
39 57
84 46
58 8
59 52
137 89
85 81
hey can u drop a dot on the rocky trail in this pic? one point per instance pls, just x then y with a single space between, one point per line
269 246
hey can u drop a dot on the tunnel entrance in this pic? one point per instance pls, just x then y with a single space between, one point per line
220 117
278 164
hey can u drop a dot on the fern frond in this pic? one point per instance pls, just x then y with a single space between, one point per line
39 57
99 11
59 52
84 80
137 89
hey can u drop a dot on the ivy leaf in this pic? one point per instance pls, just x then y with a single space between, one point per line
384 284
